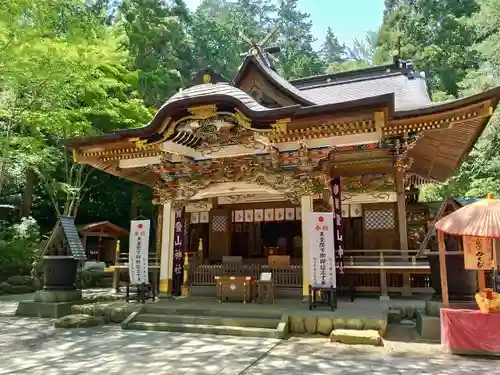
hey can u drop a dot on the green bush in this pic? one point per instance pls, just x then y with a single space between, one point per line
19 245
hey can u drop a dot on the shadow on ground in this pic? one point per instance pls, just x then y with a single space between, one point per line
33 346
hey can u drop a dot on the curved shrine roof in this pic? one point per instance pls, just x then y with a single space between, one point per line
395 87
218 89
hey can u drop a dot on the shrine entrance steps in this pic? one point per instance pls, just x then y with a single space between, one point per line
162 317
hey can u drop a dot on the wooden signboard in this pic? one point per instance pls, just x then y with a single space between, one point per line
477 253
279 261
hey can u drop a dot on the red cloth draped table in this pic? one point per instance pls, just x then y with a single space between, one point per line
470 331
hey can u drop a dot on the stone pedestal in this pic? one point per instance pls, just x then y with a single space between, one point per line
59 272
428 322
433 307
50 304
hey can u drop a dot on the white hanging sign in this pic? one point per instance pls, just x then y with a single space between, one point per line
321 250
138 251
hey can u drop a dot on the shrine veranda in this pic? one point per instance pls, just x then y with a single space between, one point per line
236 168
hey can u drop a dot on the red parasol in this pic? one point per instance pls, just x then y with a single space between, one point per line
480 219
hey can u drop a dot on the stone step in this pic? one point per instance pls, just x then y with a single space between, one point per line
219 311
202 328
357 337
208 320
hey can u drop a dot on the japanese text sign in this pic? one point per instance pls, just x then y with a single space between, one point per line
321 250
477 253
138 251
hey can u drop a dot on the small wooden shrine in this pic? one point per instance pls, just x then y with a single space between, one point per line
240 164
100 239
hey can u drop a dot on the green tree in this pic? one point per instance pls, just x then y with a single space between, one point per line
216 41
480 173
436 35
297 57
332 51
60 84
159 46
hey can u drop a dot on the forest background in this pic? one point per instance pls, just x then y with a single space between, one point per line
83 67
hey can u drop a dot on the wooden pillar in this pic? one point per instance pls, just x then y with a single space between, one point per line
442 268
306 204
401 203
166 251
116 271
384 292
403 229
158 235
328 198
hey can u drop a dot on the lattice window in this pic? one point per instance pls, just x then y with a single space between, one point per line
219 224
379 219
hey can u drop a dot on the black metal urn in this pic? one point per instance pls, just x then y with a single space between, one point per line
462 283
59 272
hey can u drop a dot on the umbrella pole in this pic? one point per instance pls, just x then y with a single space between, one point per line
442 268
495 264
481 280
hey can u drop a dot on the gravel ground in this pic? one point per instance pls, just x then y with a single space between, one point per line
32 346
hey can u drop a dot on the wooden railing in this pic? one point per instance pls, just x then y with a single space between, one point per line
371 271
204 275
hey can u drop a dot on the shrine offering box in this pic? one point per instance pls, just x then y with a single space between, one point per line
233 288
278 261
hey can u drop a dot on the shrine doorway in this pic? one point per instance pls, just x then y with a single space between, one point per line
261 239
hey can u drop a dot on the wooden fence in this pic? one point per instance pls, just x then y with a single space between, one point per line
204 275
369 271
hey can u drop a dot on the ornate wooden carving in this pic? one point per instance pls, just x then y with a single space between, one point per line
293 183
369 183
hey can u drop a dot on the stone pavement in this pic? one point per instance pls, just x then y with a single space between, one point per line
33 346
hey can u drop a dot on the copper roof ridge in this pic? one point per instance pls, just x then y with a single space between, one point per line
360 79
370 69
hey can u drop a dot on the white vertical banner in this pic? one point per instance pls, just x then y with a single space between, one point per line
321 250
138 251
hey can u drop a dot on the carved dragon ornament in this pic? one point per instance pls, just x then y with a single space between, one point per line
292 183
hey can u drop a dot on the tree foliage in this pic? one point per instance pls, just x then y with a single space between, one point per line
83 67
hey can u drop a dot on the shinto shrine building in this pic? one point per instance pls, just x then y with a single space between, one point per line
238 166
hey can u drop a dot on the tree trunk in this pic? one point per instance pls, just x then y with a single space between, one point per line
29 188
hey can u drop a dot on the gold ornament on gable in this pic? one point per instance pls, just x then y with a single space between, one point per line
281 126
242 120
207 78
203 112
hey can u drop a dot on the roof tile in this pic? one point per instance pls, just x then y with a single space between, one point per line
408 93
